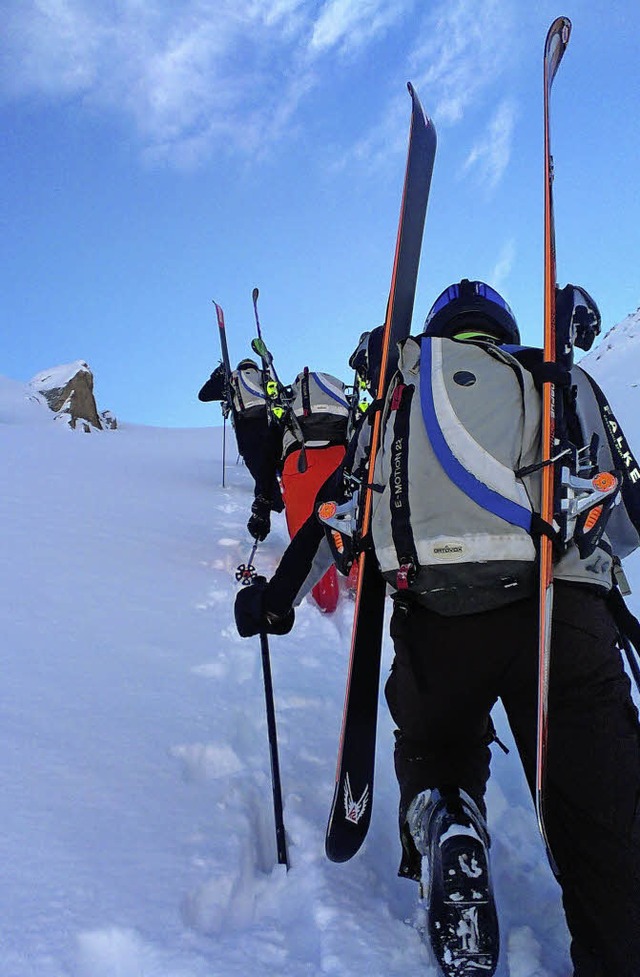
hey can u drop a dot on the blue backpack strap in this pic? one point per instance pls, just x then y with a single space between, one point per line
251 388
342 400
484 496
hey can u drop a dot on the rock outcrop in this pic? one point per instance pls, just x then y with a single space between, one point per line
68 391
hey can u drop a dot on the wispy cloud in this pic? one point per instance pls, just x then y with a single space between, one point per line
504 264
186 74
456 64
462 55
490 156
351 24
198 75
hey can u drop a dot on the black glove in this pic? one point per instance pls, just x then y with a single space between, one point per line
259 524
251 615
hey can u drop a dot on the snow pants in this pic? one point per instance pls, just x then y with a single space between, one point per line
448 673
260 445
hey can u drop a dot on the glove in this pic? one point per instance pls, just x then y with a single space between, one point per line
251 615
259 524
219 372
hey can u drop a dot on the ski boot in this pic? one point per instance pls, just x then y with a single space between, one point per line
450 834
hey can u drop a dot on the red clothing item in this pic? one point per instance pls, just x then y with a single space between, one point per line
299 490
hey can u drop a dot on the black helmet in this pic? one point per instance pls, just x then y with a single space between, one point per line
247 365
365 359
473 306
577 315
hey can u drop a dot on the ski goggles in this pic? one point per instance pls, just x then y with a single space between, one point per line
476 288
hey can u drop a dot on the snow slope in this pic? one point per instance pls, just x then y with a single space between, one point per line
136 800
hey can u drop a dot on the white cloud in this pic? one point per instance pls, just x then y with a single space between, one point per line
350 24
185 73
459 57
465 53
490 156
504 264
198 74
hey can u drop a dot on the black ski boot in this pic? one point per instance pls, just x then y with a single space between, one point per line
451 836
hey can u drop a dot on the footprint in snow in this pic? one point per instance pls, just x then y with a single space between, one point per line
207 761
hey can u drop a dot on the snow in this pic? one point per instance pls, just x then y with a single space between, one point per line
58 376
137 814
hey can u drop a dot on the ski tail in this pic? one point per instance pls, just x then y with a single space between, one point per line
223 338
277 403
555 46
226 362
351 808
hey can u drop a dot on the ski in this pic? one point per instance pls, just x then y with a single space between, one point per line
223 339
226 362
555 46
277 401
351 808
227 404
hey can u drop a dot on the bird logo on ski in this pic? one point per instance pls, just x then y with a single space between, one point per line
353 810
356 753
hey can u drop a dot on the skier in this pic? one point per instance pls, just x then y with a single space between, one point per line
259 440
320 403
461 461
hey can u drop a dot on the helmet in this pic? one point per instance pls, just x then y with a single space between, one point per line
474 307
247 365
577 315
366 357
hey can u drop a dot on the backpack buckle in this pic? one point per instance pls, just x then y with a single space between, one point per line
396 397
405 575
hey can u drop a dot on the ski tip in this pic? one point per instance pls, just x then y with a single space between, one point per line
418 108
255 294
558 33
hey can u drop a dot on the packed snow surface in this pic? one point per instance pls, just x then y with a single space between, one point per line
137 820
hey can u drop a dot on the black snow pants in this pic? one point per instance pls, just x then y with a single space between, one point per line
260 445
446 676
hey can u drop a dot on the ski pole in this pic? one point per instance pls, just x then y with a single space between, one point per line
245 574
281 841
224 445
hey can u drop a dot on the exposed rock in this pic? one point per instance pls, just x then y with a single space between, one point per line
68 391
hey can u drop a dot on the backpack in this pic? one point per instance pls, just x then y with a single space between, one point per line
247 392
457 479
320 403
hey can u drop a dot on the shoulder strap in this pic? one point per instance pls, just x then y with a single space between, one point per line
304 391
621 453
401 531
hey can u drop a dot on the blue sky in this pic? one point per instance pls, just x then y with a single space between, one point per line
158 155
